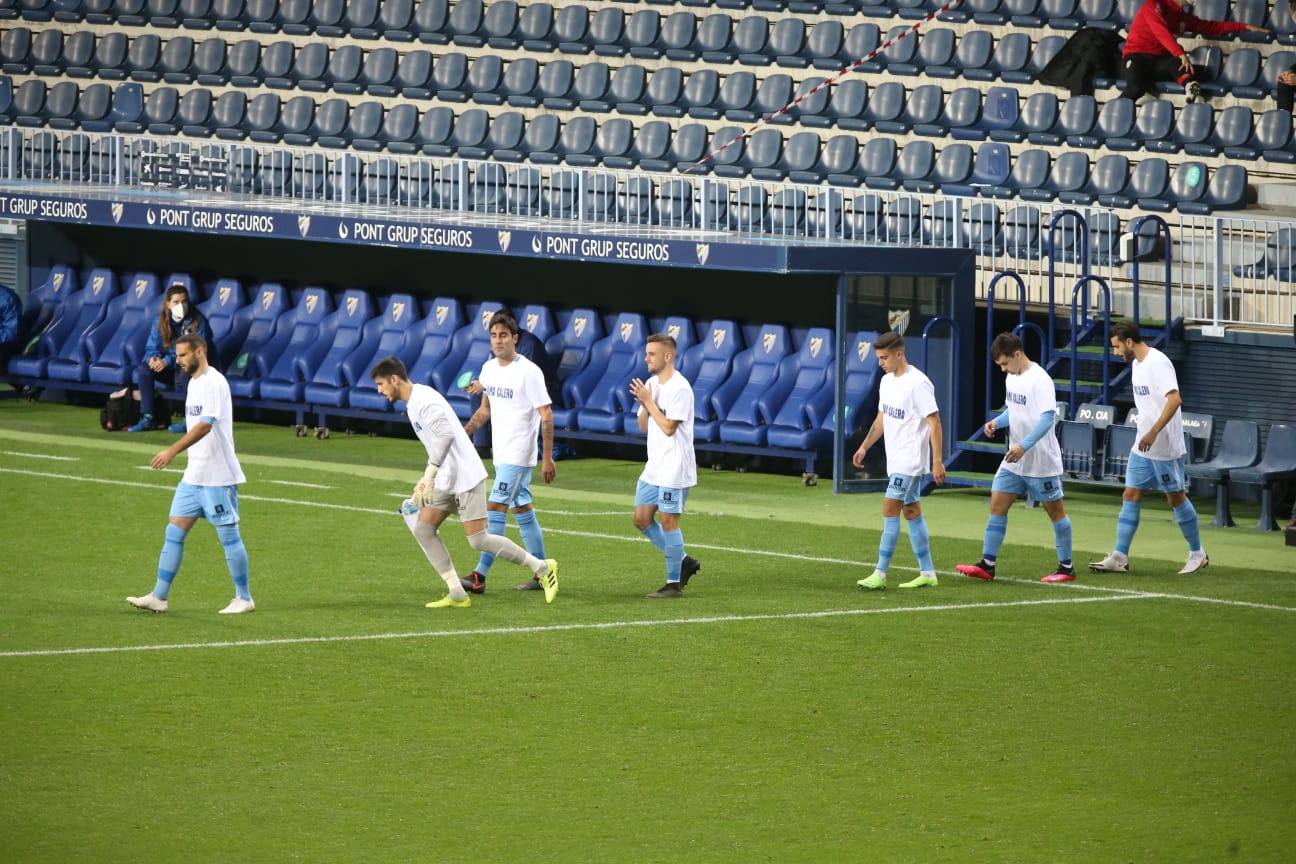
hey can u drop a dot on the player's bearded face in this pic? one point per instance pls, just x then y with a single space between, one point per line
187 360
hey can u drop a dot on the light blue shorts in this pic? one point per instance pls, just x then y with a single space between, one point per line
1037 488
667 499
217 504
512 485
1155 475
905 488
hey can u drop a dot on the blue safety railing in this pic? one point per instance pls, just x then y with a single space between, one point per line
1082 243
1163 229
1081 287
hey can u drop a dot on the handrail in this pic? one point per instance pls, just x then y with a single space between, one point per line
954 390
1163 228
1021 319
1082 284
1083 242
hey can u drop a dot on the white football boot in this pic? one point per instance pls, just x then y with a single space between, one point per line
1113 563
237 606
1197 561
148 603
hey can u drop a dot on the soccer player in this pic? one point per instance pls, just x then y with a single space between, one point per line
454 482
209 487
910 420
517 405
666 414
1033 462
1156 460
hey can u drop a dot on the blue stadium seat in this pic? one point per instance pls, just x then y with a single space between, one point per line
1148 180
975 53
573 346
399 333
1238 76
64 344
413 78
709 363
229 316
1232 129
1226 191
114 348
863 221
1108 177
914 163
1079 446
300 343
1277 260
1038 116
990 169
1076 119
999 113
984 228
1021 232
45 301
333 376
921 108
613 361
798 405
432 339
250 358
1028 178
740 401
469 349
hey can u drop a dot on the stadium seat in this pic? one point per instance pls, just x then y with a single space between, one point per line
431 340
739 401
331 380
116 345
1038 115
613 361
1120 441
573 345
1239 448
1278 463
708 364
1148 180
229 316
1079 446
63 346
45 302
859 404
799 404
469 349
300 343
397 333
252 358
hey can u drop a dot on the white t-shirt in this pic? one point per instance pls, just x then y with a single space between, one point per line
1029 395
1153 378
515 392
905 403
212 461
671 460
432 418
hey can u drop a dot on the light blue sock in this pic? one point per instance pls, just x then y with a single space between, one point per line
1126 525
169 560
674 541
996 528
886 546
921 543
236 559
1186 515
655 535
1062 539
532 536
495 520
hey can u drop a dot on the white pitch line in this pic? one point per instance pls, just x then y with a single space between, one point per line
622 538
40 456
561 628
298 483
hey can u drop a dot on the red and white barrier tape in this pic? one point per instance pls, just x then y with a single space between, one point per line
827 82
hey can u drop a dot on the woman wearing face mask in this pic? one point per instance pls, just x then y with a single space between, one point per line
178 318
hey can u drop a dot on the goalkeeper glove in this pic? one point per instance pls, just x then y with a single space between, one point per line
423 490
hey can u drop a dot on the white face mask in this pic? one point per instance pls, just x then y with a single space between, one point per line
178 312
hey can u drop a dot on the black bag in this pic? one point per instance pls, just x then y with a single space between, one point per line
1090 53
121 411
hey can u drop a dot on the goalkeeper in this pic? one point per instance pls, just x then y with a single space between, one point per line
454 482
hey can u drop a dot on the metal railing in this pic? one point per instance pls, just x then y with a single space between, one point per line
1227 270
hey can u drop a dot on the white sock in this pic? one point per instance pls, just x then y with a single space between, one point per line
439 557
457 591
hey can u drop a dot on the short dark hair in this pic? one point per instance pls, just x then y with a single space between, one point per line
193 340
1005 345
1123 330
666 339
387 367
506 318
889 341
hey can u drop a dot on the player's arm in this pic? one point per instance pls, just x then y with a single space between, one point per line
644 395
480 417
547 468
993 426
190 438
938 447
1042 427
641 417
1173 403
874 433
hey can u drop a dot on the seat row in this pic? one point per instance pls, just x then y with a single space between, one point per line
756 386
507 24
350 68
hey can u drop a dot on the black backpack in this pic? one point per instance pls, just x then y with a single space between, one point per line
120 412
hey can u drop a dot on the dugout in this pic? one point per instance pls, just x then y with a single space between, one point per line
826 300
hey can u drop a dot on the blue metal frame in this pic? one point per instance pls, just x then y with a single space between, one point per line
1082 285
1052 269
1163 229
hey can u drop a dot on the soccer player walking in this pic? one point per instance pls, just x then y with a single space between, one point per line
910 420
666 414
454 482
209 487
1156 460
517 405
1033 462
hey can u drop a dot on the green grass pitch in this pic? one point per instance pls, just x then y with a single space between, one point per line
774 714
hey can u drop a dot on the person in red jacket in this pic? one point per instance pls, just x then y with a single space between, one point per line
1152 52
